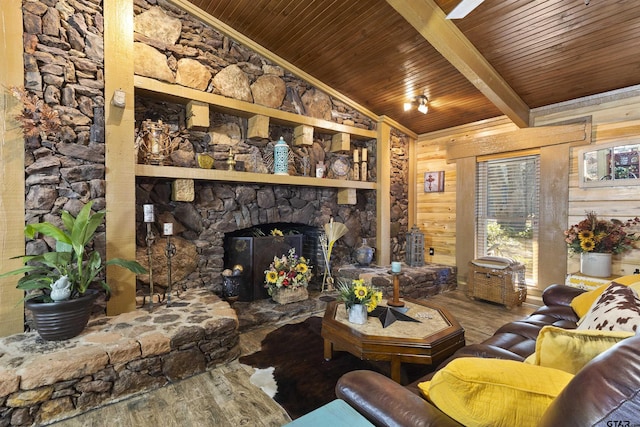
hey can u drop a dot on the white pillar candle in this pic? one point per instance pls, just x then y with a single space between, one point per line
168 228
364 154
148 213
396 266
355 155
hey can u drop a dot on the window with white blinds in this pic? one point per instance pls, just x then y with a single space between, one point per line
507 210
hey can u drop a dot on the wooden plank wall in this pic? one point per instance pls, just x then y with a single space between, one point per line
11 168
436 212
616 118
612 121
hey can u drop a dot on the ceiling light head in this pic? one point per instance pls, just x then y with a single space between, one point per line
420 102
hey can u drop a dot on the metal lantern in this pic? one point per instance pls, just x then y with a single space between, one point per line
415 247
281 158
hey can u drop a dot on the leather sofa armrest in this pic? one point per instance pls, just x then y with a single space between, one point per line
560 295
386 403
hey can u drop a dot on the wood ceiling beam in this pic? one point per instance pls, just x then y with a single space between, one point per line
430 21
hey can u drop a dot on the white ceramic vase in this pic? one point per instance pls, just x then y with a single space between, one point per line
595 264
358 314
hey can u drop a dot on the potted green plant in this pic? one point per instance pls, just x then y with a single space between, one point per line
63 304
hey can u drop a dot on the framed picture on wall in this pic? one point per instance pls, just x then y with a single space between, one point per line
433 182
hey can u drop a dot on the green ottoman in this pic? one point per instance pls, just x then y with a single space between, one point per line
334 414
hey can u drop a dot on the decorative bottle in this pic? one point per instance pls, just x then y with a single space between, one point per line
281 158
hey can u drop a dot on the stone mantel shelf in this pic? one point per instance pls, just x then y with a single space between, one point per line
248 177
152 88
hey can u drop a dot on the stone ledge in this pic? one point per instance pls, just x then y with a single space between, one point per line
415 282
113 358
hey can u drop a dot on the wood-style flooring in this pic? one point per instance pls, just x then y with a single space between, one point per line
224 396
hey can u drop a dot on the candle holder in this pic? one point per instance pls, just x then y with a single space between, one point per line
231 161
150 238
169 252
395 302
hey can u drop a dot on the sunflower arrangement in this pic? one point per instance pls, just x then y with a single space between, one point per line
287 271
601 236
357 292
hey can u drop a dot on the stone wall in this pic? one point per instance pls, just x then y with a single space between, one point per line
399 194
196 56
64 66
172 46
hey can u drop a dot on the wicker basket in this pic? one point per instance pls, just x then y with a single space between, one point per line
499 280
287 295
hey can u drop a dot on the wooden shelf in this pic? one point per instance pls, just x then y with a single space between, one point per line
248 177
182 95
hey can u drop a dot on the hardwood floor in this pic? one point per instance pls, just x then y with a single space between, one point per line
225 397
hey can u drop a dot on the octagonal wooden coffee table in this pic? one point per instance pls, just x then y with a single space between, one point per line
437 336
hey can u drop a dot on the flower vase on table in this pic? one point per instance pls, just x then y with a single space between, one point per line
358 314
595 264
597 239
359 299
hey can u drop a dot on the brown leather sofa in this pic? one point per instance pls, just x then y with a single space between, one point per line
606 392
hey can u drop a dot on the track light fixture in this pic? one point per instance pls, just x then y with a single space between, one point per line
419 101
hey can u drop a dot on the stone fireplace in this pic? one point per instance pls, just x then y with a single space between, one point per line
253 249
203 227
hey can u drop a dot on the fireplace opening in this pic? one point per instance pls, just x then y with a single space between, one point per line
254 249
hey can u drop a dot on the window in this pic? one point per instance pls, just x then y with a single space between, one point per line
507 210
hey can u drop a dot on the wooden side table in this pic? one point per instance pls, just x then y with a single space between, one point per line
437 336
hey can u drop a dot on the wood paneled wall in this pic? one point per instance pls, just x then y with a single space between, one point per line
614 117
613 120
11 167
436 212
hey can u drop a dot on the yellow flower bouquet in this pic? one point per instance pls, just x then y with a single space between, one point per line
287 271
601 236
357 292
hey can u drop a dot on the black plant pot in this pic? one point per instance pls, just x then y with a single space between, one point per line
56 321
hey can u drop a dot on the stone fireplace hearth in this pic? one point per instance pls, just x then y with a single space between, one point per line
113 358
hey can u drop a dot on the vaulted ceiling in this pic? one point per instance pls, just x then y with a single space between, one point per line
505 57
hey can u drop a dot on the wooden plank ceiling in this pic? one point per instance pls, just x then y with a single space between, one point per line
505 57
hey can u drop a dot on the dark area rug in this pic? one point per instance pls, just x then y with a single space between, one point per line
305 380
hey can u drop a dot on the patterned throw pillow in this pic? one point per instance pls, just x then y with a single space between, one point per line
617 309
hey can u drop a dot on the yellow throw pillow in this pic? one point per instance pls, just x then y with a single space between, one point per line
494 392
583 302
570 349
628 280
424 388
